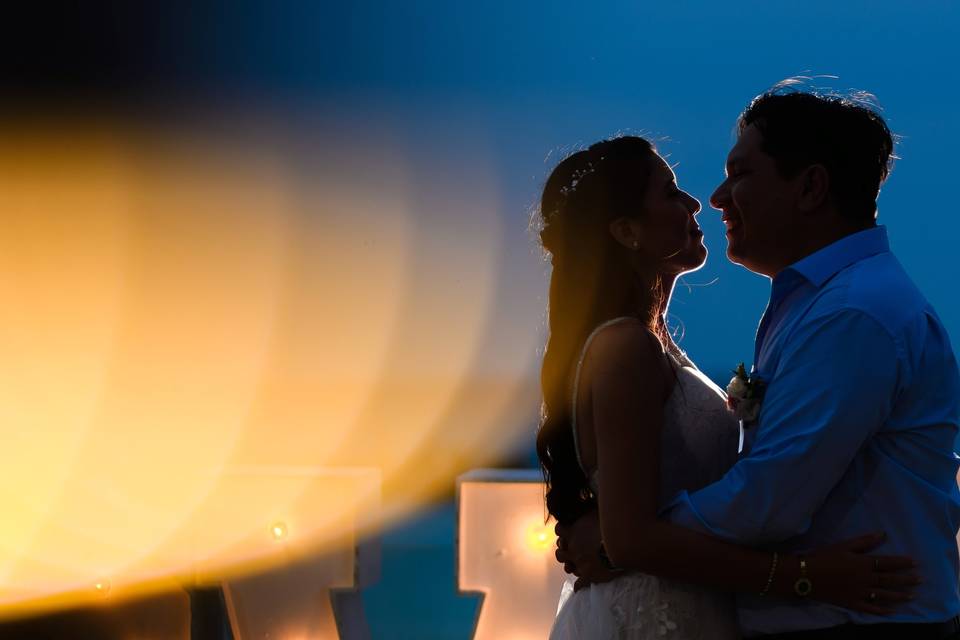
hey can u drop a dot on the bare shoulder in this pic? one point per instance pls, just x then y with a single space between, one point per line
628 350
629 343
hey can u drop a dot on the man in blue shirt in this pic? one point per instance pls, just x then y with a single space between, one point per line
860 412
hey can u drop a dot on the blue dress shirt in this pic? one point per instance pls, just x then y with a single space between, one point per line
855 434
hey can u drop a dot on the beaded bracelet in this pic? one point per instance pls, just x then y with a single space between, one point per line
773 570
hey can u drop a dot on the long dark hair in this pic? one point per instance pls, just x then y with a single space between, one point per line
592 282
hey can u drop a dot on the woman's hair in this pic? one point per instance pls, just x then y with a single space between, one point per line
592 282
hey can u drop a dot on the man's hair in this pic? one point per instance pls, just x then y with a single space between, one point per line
845 135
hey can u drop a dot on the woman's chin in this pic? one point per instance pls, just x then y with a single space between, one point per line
698 259
688 263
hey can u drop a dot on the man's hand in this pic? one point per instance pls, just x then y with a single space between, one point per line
578 549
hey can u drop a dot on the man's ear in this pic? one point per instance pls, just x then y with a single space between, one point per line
814 188
624 231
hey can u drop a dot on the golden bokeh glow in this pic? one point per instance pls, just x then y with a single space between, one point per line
540 537
195 330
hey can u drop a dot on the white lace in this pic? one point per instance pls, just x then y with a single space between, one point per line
642 607
699 443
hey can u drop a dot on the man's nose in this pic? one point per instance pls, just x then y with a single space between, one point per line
720 197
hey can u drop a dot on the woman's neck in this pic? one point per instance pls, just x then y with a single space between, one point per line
651 297
657 290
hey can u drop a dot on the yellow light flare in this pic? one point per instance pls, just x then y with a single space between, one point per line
540 537
279 531
195 328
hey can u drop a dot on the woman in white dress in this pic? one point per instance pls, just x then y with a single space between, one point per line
628 420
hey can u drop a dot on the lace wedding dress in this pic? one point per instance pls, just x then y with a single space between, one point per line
699 443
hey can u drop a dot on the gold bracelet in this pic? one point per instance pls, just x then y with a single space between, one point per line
803 587
773 570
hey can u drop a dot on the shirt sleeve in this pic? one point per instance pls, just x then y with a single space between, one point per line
834 386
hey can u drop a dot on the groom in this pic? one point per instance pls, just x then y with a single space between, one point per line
857 425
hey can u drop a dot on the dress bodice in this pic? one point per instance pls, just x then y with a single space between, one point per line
699 438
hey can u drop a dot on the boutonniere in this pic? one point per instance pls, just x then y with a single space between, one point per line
745 395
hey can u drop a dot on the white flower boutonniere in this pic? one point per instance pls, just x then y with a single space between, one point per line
745 395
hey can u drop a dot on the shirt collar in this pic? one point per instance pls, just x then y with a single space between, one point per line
820 266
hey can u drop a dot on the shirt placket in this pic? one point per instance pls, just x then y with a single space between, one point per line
774 314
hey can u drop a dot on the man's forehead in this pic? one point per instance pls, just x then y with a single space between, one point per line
747 143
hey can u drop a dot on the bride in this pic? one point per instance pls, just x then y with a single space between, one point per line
628 420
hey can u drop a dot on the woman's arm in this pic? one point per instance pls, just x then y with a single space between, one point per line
628 390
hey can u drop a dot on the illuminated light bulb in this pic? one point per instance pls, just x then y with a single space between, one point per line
102 587
279 531
503 509
540 537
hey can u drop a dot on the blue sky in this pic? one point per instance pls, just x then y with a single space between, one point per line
482 99
518 84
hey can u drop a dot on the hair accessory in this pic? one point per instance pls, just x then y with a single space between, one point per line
576 177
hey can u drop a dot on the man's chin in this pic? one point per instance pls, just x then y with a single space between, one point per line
737 258
734 255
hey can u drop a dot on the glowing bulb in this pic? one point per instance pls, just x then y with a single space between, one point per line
102 587
279 531
540 537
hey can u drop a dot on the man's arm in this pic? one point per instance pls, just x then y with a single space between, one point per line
834 386
635 538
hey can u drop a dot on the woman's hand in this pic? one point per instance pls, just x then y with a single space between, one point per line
578 546
844 575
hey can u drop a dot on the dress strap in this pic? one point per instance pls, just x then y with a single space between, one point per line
576 383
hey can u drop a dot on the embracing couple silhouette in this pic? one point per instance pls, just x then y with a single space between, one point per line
817 497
